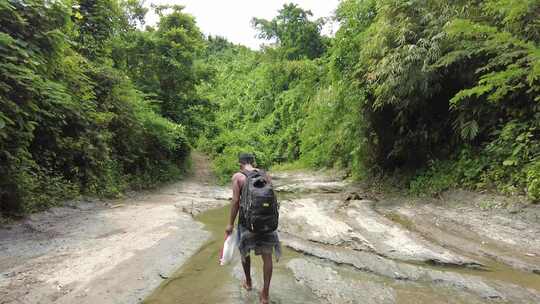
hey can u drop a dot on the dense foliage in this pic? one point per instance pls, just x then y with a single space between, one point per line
444 93
438 93
74 119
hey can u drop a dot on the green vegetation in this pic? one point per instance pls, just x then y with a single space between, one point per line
80 112
443 94
438 94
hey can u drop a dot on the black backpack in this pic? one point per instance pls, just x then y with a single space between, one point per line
259 209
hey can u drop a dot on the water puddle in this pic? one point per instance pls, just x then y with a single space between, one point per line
202 280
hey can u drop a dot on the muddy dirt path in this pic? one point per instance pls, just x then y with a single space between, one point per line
341 245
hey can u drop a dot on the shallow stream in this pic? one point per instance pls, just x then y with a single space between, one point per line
202 280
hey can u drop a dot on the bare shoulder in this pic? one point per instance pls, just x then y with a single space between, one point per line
238 177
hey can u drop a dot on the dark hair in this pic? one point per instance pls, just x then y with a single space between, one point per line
246 158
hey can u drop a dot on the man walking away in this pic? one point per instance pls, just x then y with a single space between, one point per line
255 203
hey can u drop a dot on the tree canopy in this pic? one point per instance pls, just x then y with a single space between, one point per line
296 35
434 94
85 108
441 94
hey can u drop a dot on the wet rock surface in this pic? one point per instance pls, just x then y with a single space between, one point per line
328 284
399 271
392 240
502 236
96 251
315 219
349 230
357 225
342 246
307 182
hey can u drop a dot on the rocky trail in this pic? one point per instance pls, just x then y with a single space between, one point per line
341 245
107 251
444 251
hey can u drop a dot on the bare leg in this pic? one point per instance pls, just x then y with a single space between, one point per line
246 264
267 269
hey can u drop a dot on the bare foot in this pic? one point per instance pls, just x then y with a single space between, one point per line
246 286
263 299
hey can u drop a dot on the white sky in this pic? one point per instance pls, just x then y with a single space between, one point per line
232 18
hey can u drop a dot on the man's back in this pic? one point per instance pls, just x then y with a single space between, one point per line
263 244
239 179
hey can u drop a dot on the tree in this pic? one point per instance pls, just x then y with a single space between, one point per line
96 21
296 35
70 123
162 61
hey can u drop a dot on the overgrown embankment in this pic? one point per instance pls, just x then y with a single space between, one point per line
439 94
89 103
443 94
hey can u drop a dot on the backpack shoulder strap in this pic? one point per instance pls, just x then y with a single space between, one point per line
264 175
252 173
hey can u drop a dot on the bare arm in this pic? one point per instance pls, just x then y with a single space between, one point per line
235 203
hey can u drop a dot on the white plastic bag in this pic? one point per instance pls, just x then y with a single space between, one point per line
230 246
